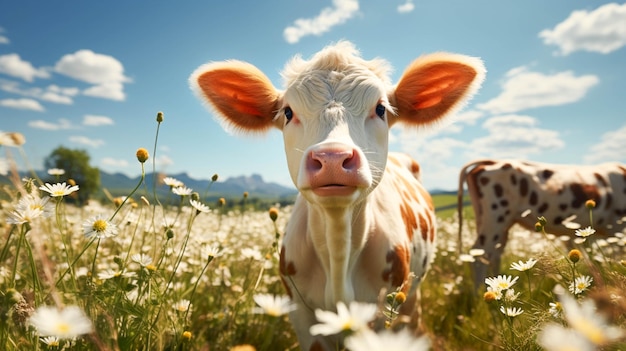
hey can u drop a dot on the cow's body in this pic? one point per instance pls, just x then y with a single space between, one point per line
362 222
503 191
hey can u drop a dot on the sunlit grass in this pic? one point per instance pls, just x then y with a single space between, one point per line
138 273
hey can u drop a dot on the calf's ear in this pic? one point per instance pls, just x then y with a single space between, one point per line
434 86
241 95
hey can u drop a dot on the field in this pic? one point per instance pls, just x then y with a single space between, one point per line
185 278
148 273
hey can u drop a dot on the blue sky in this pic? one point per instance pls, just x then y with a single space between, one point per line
93 74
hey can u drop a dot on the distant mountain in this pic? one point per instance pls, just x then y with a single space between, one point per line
231 187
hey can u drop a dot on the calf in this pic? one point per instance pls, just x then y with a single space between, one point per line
502 193
362 222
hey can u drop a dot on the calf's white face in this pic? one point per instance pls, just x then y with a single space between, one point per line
336 145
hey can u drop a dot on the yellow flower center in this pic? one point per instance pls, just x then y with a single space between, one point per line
100 225
63 328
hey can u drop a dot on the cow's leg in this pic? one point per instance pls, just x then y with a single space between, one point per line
491 239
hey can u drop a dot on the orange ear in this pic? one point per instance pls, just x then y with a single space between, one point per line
434 86
239 92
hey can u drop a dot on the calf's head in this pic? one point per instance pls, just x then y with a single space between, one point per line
336 110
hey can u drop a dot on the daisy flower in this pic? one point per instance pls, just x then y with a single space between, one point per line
182 305
511 311
142 259
585 320
271 305
554 337
580 284
99 227
51 341
583 233
555 309
368 340
199 206
24 215
56 172
58 189
67 323
354 317
523 266
211 251
172 182
182 191
251 253
501 282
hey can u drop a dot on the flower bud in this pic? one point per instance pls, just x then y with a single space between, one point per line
273 212
574 255
159 117
142 155
590 204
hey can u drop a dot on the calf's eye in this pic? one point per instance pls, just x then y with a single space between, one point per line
380 111
288 113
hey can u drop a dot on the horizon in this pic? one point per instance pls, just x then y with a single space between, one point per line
93 76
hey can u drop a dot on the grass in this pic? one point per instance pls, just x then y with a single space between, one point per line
148 276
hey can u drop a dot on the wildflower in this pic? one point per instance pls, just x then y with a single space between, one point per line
29 208
251 253
58 189
524 266
186 335
182 191
554 337
273 212
222 201
368 340
490 296
555 309
584 233
199 206
182 305
574 255
111 273
99 227
477 252
510 295
159 117
511 311
211 251
172 182
51 341
590 204
214 177
467 258
400 297
142 155
501 282
271 305
56 172
354 317
585 320
143 259
64 324
538 227
580 284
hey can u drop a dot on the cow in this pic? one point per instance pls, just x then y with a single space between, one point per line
362 222
506 192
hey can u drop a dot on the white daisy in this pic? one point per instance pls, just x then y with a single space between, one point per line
271 305
580 284
99 227
58 189
199 206
182 191
354 317
585 232
511 311
523 266
501 282
67 323
368 340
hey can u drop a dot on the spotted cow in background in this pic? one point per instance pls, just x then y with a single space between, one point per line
362 224
503 191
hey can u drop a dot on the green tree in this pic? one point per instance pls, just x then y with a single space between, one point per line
76 166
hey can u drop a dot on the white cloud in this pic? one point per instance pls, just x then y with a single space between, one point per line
111 90
52 93
514 136
105 72
329 17
468 116
407 7
22 104
610 148
83 140
41 124
164 161
4 39
93 120
13 65
523 89
114 162
602 30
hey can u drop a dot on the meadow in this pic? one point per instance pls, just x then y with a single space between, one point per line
139 272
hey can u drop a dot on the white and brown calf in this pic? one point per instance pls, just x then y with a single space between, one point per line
362 222
502 192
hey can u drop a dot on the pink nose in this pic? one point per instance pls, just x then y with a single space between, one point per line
333 166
